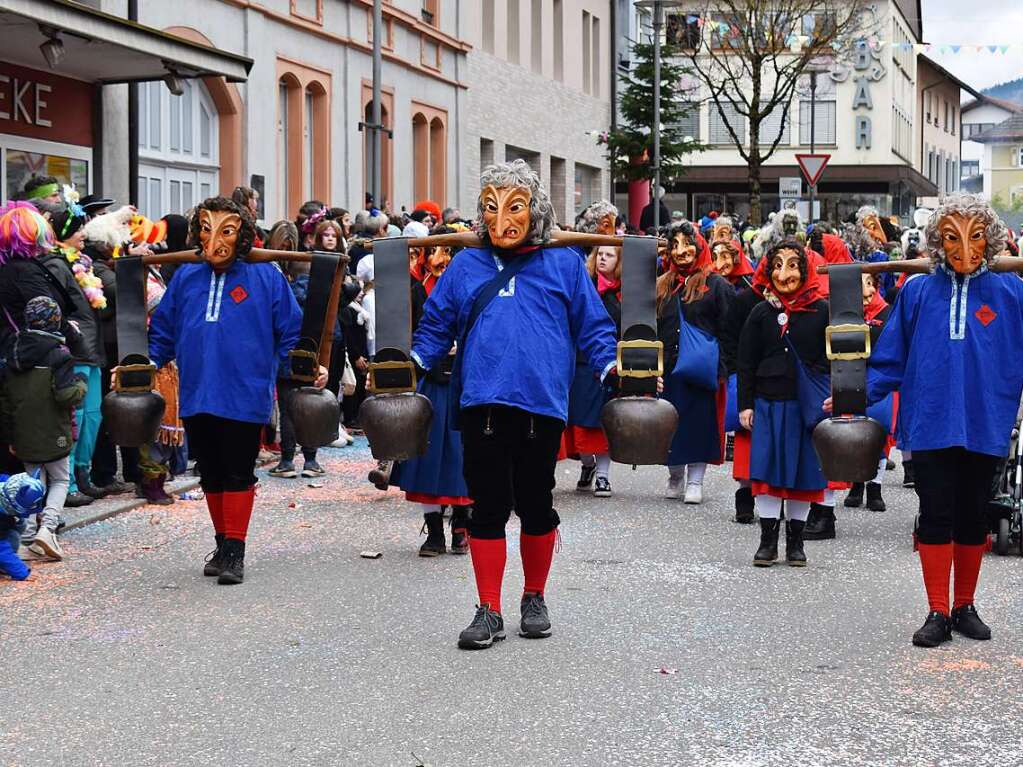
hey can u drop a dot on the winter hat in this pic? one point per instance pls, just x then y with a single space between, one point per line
67 221
22 494
42 313
415 229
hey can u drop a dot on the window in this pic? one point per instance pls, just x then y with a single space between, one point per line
178 148
586 53
429 153
430 12
719 133
955 119
776 126
308 9
513 31
819 25
970 168
1019 156
558 33
689 96
683 31
947 120
486 153
308 148
283 168
927 107
23 158
488 25
823 122
587 185
595 68
536 37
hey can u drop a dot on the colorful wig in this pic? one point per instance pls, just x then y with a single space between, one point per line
24 233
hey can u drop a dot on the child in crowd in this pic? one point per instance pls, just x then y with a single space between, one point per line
39 398
21 496
328 237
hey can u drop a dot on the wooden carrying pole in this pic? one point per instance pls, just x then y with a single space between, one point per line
263 256
472 240
909 266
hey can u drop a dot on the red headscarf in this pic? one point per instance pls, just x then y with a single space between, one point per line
799 301
604 285
741 269
875 307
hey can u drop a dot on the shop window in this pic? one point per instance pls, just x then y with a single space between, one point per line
20 165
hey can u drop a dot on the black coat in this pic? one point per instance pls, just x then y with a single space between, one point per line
21 280
707 313
743 303
92 351
765 365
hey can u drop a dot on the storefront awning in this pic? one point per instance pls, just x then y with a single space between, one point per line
97 47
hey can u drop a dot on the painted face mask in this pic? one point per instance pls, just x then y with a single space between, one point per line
786 277
218 235
683 252
506 215
438 260
724 259
964 240
873 226
721 233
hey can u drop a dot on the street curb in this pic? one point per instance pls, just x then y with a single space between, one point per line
129 505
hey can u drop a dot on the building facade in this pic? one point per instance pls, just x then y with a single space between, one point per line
294 129
939 120
980 115
866 107
539 89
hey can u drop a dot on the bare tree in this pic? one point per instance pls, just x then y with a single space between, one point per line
750 55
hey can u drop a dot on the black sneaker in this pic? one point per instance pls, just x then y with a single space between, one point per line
486 628
602 488
215 559
284 470
855 498
936 630
874 500
535 623
966 621
232 563
586 478
76 499
313 469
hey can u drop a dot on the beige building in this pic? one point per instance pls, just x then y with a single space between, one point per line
539 88
1003 161
939 121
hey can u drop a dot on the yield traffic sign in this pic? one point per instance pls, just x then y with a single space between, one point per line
812 166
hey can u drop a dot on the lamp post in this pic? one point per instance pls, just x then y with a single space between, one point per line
813 71
658 7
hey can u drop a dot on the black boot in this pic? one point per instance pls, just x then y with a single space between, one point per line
730 448
85 484
232 563
767 554
820 525
744 513
966 621
215 559
936 629
434 526
460 530
855 498
874 500
908 476
794 553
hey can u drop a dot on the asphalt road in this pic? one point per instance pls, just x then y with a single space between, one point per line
669 648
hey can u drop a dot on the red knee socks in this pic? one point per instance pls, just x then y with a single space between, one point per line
489 556
936 563
537 553
237 511
215 503
967 570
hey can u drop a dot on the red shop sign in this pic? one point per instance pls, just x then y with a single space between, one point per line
42 105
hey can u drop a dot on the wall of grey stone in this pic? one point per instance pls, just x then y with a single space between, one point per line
510 105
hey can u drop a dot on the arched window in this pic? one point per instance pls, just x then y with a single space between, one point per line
438 161
429 153
303 137
178 148
289 122
420 156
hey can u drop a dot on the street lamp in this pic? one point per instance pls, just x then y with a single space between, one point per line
658 7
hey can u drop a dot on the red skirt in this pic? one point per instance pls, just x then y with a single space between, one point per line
576 440
810 496
740 454
440 500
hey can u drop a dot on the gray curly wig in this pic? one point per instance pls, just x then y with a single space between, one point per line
969 205
589 218
860 240
541 213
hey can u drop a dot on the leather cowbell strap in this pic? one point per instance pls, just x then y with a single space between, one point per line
391 369
847 341
640 355
305 356
136 371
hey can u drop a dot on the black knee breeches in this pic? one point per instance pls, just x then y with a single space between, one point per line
954 487
509 463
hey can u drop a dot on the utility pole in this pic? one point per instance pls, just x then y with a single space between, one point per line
656 127
377 114
813 127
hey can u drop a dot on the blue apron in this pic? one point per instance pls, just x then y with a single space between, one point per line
692 389
732 405
586 397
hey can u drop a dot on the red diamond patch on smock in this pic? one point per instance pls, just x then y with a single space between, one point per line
239 295
986 315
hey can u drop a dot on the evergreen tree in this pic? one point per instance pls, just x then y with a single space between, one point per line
631 146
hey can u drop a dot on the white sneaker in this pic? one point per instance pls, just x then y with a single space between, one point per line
47 545
25 554
674 490
694 493
344 439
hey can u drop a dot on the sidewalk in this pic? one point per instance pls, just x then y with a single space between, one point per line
118 504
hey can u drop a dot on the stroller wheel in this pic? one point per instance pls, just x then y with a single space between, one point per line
1002 541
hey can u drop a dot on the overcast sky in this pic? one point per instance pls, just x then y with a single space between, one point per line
987 22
